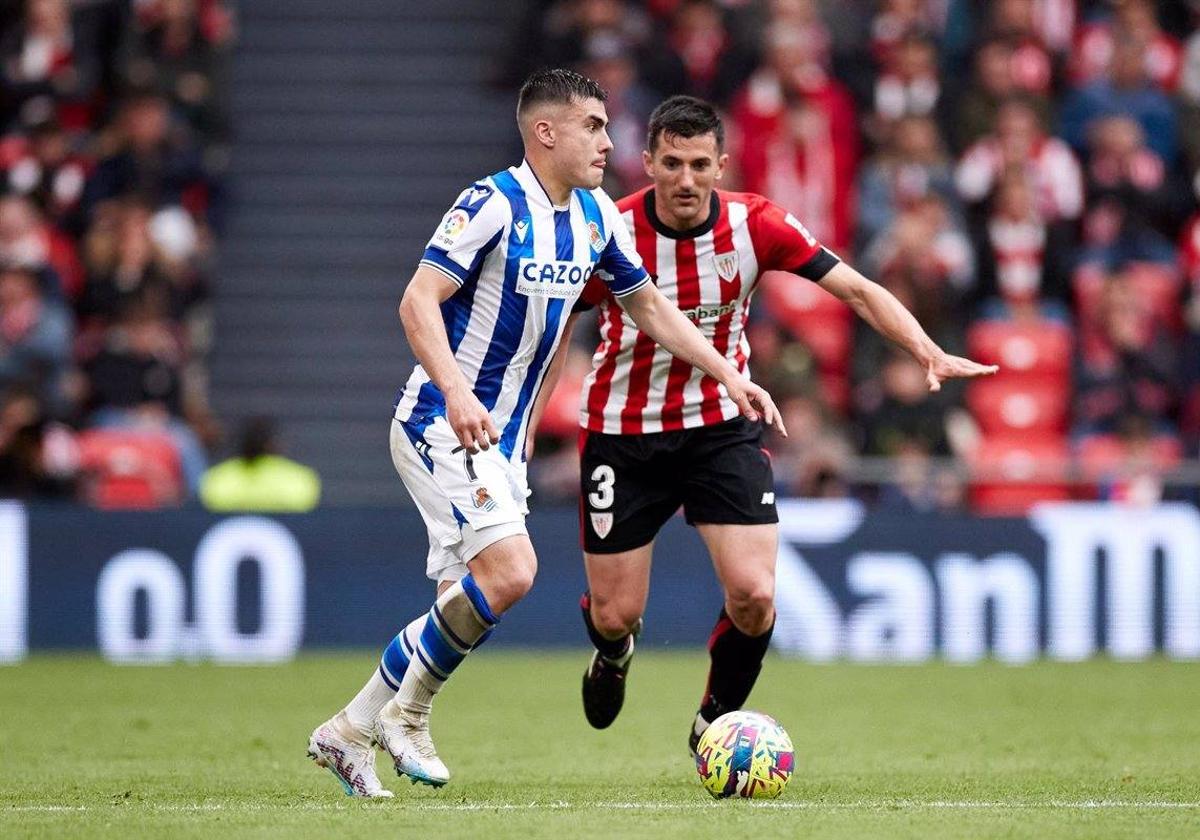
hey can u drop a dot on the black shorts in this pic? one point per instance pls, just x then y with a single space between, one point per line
630 485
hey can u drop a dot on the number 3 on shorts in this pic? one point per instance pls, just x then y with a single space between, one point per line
602 497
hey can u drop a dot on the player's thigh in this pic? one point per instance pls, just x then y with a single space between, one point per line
626 491
468 501
618 585
744 559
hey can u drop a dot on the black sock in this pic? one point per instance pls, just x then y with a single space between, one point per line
609 648
736 663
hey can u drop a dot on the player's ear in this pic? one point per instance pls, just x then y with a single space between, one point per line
647 163
721 163
543 130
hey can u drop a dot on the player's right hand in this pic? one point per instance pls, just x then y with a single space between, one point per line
755 402
471 422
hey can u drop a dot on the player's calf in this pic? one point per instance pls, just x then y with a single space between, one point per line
604 679
736 659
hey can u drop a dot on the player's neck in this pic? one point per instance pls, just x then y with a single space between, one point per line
667 222
558 191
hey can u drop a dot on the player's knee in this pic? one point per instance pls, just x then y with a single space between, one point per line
518 577
612 619
752 609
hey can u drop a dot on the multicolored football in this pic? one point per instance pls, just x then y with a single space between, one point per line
745 754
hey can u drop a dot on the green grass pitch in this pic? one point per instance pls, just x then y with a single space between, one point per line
1045 751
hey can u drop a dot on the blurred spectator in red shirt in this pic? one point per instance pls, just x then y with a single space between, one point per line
1137 20
26 240
1022 259
797 142
45 64
698 55
1020 142
44 167
909 85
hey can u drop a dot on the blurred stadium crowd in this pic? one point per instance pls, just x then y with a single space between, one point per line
1022 174
113 140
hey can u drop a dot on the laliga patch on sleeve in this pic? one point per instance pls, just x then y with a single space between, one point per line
794 222
452 227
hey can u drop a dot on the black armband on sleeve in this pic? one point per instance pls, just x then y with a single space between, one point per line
820 264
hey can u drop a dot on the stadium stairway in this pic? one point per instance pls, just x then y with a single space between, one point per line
357 123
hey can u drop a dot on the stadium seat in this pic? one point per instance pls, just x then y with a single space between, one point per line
1016 404
1016 471
129 469
1042 349
814 316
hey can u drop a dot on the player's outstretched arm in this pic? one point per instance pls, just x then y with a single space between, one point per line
879 308
661 320
421 315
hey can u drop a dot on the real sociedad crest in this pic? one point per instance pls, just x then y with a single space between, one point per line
727 265
602 524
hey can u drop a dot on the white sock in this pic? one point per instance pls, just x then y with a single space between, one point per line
369 702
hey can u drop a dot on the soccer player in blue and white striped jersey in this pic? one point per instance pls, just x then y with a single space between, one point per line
484 313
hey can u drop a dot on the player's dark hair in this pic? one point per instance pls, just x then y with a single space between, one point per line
686 117
557 85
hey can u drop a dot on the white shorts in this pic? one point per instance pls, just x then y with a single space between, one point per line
467 501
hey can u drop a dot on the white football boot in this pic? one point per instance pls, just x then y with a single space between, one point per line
336 746
405 737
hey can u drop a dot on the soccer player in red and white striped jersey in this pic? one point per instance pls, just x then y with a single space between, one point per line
657 433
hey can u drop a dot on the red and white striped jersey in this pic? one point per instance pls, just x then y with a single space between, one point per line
710 273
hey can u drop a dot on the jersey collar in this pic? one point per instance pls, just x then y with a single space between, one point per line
704 227
528 179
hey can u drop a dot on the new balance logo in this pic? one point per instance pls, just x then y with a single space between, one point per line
768 499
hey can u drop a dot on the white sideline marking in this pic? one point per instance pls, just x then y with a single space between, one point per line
866 804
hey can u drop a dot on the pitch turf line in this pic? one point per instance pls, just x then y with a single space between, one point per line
862 805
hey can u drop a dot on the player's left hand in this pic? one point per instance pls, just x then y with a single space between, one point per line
944 366
755 402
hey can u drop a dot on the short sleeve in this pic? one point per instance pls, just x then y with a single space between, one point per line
468 231
784 244
620 266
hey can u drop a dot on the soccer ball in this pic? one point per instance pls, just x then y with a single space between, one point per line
745 754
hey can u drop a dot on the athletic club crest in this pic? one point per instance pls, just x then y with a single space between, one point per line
483 501
727 265
602 524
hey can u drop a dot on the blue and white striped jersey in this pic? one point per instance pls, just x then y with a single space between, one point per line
520 263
